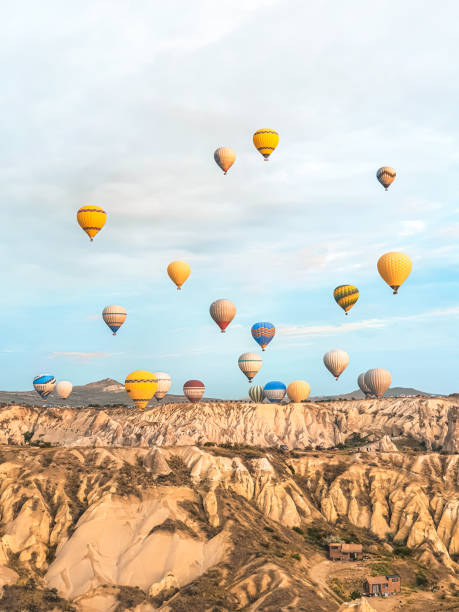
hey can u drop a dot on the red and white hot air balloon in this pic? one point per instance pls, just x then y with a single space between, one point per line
222 312
194 390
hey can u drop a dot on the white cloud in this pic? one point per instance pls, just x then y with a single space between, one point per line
409 228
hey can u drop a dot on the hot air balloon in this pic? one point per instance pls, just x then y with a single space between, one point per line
263 333
394 268
64 389
386 176
266 141
363 386
44 384
225 158
141 385
275 391
114 317
164 384
250 364
257 394
194 390
298 391
92 219
378 381
336 362
178 272
346 296
222 312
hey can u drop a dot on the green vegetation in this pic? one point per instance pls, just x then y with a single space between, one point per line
298 530
382 568
355 595
29 597
296 556
353 441
401 550
129 597
421 578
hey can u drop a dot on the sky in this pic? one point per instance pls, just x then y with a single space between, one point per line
122 104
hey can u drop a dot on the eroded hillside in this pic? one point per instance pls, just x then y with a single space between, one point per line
211 528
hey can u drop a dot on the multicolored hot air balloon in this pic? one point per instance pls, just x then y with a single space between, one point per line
256 394
386 176
362 385
64 389
141 385
394 268
336 362
225 158
178 272
164 384
92 219
346 296
378 381
250 364
265 141
263 333
194 390
298 391
275 391
114 317
222 312
44 384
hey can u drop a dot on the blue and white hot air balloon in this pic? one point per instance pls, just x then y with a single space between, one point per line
275 391
263 333
44 384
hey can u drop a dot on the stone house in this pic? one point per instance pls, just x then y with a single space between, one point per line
338 551
382 585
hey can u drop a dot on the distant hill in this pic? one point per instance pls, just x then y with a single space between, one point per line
392 392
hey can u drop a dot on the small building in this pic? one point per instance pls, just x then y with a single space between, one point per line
382 585
337 551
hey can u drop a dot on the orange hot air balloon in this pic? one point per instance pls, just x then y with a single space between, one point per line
91 219
394 268
225 158
298 391
222 312
178 272
386 176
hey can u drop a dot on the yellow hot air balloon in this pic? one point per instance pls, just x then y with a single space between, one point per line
92 219
225 158
386 176
266 141
178 272
298 390
346 296
141 386
394 267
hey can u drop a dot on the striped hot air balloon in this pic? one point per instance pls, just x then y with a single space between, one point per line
114 317
194 390
378 381
178 272
225 158
275 391
44 384
91 219
386 176
257 394
164 384
250 364
346 296
265 141
263 333
336 362
362 385
222 312
64 389
141 385
298 390
394 268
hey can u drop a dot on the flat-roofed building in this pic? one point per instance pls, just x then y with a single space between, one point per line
338 551
382 585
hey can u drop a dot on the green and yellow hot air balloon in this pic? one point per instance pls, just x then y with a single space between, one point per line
346 296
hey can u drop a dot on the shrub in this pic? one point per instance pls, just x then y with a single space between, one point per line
298 530
296 556
421 579
355 595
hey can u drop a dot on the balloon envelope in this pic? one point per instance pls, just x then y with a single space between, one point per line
225 158
386 176
346 296
194 390
64 389
44 384
256 394
275 391
222 312
114 317
298 390
362 385
394 268
178 272
378 381
336 362
265 141
91 219
164 384
141 385
250 364
263 332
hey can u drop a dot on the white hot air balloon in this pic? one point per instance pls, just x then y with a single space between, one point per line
256 394
164 384
363 387
336 362
378 381
250 364
114 317
64 389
